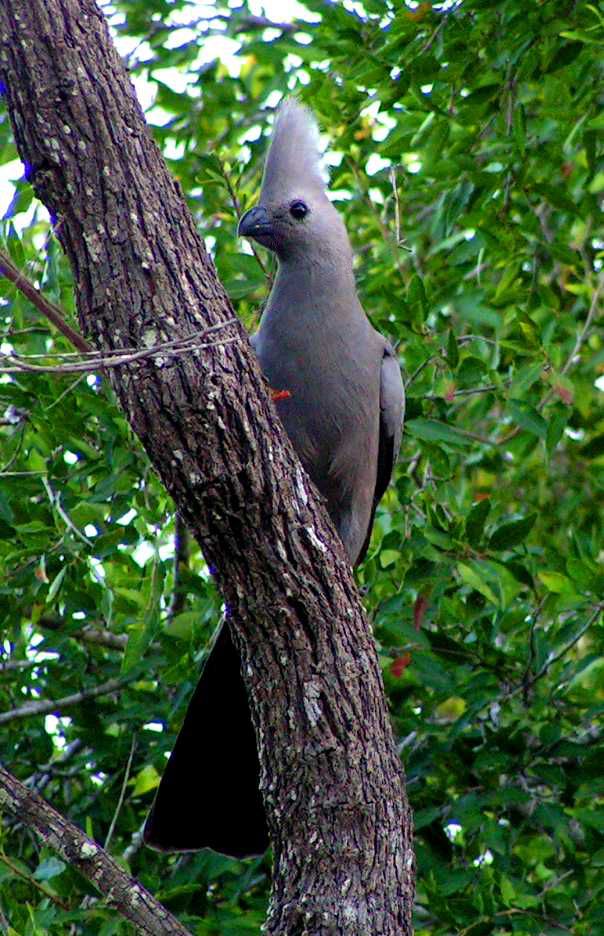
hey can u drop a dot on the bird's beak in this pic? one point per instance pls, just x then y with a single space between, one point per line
255 222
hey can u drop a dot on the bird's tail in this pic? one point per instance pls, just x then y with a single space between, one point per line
208 796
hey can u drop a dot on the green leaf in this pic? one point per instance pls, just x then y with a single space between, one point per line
525 377
425 817
452 351
55 585
6 511
556 582
568 52
433 431
49 868
146 779
476 520
528 418
471 575
508 891
416 297
555 427
146 625
388 557
182 625
582 572
512 533
596 123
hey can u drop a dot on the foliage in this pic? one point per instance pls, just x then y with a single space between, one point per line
467 160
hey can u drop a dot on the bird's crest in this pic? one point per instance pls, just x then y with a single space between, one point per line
294 156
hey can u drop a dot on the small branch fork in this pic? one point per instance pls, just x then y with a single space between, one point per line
86 359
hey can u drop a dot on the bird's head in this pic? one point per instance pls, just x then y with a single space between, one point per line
294 217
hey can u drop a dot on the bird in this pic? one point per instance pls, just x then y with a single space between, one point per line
337 386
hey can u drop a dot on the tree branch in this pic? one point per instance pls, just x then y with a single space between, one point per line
120 890
7 666
555 657
52 312
89 634
44 774
49 705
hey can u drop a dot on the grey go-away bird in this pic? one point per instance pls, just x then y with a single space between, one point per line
338 391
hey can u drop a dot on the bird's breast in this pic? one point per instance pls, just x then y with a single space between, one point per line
326 394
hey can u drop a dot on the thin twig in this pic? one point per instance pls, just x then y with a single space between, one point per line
466 432
55 502
432 38
524 685
103 637
419 369
4 469
464 339
44 774
561 653
237 209
262 22
117 358
582 336
8 666
65 393
400 240
531 649
120 801
136 843
32 881
468 391
392 243
475 272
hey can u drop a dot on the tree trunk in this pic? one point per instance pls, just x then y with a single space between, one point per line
330 776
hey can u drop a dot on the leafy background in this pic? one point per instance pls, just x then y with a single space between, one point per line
465 143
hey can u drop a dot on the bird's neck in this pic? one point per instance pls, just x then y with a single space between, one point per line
313 285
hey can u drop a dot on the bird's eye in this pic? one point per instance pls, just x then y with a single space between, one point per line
298 210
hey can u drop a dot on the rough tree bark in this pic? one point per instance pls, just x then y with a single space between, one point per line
331 779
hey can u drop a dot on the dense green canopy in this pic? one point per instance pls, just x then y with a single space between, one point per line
465 141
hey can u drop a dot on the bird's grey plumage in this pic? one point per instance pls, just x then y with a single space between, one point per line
345 404
339 394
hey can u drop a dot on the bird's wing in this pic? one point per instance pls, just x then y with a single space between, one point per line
392 411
